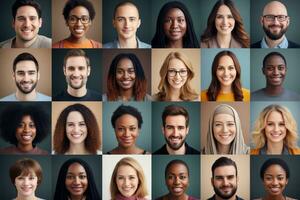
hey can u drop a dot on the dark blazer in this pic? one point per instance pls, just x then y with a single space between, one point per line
291 44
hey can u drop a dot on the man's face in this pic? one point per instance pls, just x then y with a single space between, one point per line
175 131
224 181
276 27
26 76
126 21
76 72
27 23
275 71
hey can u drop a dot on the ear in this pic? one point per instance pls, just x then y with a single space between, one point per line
187 130
263 70
65 70
13 24
212 181
139 23
88 70
262 20
288 21
40 22
38 76
114 23
163 130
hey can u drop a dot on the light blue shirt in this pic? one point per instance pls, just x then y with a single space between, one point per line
115 44
39 97
283 45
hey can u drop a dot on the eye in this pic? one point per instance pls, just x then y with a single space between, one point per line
82 177
220 68
231 124
230 16
132 128
181 20
231 68
182 177
81 124
70 177
168 20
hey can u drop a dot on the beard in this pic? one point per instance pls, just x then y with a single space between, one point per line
274 36
175 146
25 90
76 87
227 195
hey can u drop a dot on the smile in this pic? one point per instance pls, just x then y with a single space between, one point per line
26 137
76 135
78 31
177 189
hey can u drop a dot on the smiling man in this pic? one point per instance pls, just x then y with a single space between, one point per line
26 76
126 21
275 69
175 130
275 22
77 69
27 21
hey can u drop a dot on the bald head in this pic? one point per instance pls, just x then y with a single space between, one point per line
275 8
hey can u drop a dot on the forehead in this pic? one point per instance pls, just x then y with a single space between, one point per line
125 63
178 119
225 170
226 60
127 10
79 10
76 61
275 169
275 59
223 9
274 8
275 115
26 11
26 65
28 171
177 168
223 117
174 12
76 168
126 170
176 63
127 119
75 116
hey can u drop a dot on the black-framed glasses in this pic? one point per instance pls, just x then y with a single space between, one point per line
83 19
173 72
280 18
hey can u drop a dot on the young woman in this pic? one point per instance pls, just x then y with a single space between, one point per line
225 83
174 27
126 80
127 123
275 173
76 181
78 15
26 175
275 132
128 172
225 135
225 28
176 74
76 131
177 181
24 126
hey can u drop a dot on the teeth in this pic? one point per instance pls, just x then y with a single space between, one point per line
177 189
79 31
275 189
26 137
76 135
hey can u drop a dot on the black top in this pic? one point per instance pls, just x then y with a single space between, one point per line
188 150
290 45
144 152
91 95
213 198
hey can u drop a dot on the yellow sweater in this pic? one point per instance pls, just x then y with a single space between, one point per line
227 96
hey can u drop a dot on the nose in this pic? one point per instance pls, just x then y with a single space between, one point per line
225 20
275 71
225 128
27 22
177 181
76 128
275 181
226 72
175 132
76 180
126 182
78 22
26 77
126 74
276 127
26 181
126 132
174 24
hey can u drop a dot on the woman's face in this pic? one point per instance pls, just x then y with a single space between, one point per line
79 28
226 72
26 184
175 25
177 73
224 128
224 20
76 180
26 131
275 128
76 128
125 74
177 179
127 130
127 180
275 180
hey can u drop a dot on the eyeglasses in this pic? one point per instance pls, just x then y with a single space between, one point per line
173 72
74 19
271 18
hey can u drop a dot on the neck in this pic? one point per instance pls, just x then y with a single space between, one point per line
273 43
226 89
180 151
274 90
223 149
77 92
19 43
273 197
81 197
181 197
274 148
127 150
77 149
73 39
219 198
174 95
223 40
26 97
25 148
31 197
126 94
175 44
128 43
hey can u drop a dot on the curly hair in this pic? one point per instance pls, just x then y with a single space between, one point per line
186 91
259 136
160 39
238 31
71 4
12 116
140 85
215 85
92 142
124 110
141 191
176 162
274 161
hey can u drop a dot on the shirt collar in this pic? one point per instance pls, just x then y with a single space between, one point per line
137 39
283 45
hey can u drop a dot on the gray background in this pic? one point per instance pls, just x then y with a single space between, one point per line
159 163
108 133
193 138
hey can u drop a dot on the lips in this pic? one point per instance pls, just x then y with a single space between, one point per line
77 189
177 189
26 189
78 30
175 33
76 135
275 189
126 140
26 137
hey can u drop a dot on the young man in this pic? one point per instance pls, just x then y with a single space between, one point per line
175 130
26 75
126 21
27 21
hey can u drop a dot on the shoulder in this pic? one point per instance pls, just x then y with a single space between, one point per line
7 43
61 96
162 150
39 151
289 198
256 44
113 44
59 44
143 45
42 97
11 97
156 97
96 44
295 151
148 97
44 42
93 95
104 97
258 95
204 95
209 43
254 151
246 94
293 44
235 44
192 198
8 150
191 150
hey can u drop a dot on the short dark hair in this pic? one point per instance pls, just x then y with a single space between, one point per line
126 109
12 116
20 3
76 53
274 53
223 161
173 110
74 3
23 57
174 162
274 161
123 3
